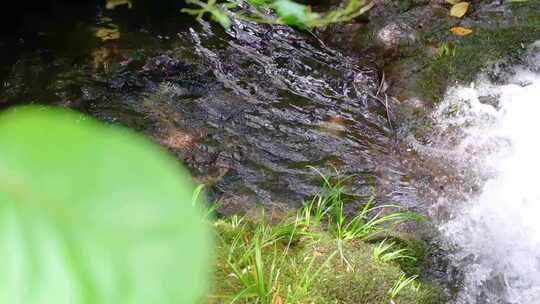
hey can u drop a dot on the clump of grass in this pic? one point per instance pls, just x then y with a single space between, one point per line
328 207
318 254
387 252
401 283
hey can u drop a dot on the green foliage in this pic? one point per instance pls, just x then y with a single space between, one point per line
459 60
387 252
94 214
446 49
287 12
312 256
328 207
196 200
400 284
293 13
217 13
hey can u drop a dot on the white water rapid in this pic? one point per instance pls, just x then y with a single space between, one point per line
490 131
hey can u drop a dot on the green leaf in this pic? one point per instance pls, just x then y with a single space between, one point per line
295 14
94 214
221 18
258 3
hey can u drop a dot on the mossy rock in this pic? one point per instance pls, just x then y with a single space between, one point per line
337 271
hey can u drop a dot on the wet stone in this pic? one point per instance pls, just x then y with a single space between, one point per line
245 110
393 35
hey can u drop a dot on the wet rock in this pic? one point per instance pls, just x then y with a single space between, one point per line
415 103
490 100
231 204
177 139
395 34
246 111
90 93
407 39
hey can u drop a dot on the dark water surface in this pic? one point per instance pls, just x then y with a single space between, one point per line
246 110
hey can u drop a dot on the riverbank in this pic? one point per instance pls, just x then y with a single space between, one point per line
321 254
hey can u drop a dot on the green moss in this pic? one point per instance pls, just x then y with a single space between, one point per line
478 50
414 247
418 70
316 268
473 53
527 13
365 281
320 254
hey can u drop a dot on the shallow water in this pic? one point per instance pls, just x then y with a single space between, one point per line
246 110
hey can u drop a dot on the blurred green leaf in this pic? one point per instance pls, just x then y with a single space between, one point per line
258 3
287 12
221 18
294 14
94 214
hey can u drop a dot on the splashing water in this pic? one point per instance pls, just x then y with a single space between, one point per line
491 131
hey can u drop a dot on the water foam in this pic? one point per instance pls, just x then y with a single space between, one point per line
492 129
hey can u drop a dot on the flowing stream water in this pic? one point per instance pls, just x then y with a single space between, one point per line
245 109
488 132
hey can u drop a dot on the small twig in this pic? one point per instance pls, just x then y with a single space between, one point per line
385 102
387 111
316 37
385 105
381 84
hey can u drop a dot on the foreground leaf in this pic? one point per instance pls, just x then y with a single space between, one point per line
221 18
453 1
461 31
294 14
93 214
459 9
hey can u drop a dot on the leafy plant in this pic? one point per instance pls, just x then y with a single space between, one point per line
400 284
217 12
446 50
257 260
208 210
328 205
386 253
286 12
91 213
307 276
258 280
312 256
